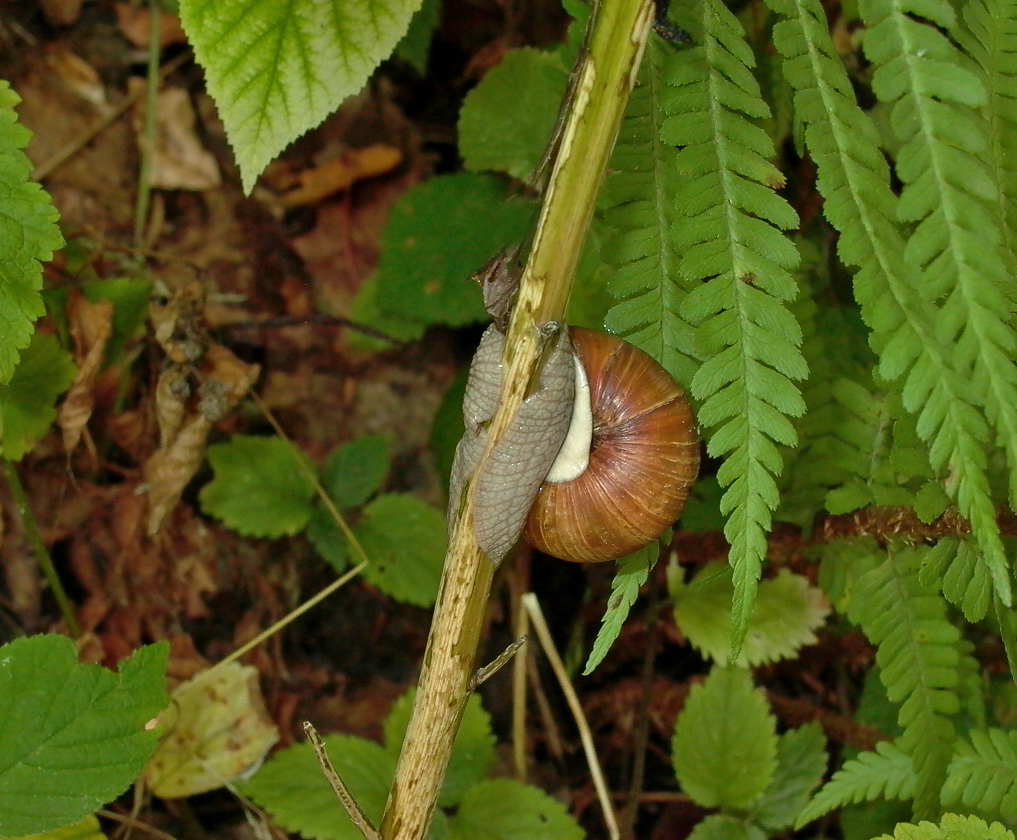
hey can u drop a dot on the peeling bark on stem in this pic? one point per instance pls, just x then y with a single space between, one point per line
604 78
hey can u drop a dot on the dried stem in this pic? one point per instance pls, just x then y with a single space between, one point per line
603 80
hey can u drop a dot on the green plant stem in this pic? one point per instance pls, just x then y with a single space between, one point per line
39 547
148 141
603 80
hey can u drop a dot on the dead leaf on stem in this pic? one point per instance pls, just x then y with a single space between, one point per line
91 325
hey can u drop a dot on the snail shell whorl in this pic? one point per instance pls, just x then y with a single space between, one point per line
644 458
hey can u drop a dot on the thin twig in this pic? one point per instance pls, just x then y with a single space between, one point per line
532 606
499 662
152 82
39 547
339 788
46 169
289 617
130 822
312 476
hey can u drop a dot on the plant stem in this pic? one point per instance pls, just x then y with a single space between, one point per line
148 141
39 547
603 80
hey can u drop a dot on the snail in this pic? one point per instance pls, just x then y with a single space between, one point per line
629 460
600 458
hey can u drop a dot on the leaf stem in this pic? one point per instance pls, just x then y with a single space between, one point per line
604 77
152 81
39 547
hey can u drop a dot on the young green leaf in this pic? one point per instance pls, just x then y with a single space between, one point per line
951 827
28 235
416 43
725 827
784 617
634 571
884 773
801 763
355 470
983 773
507 119
292 788
259 488
502 809
439 234
26 401
728 228
404 538
276 70
724 744
473 753
72 736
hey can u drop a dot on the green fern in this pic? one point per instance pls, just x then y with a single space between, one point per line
951 827
639 209
989 35
727 226
953 565
885 773
983 773
918 658
949 195
854 180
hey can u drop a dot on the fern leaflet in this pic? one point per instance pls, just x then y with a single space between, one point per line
639 209
853 178
983 773
885 773
727 226
918 658
953 565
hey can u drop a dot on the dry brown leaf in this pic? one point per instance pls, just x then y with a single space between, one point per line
218 731
179 161
91 325
341 173
75 74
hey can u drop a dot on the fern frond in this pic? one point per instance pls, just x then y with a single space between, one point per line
951 827
953 565
639 209
918 659
983 773
989 35
949 195
885 773
728 227
854 179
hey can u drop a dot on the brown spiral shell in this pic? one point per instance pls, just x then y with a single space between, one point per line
644 458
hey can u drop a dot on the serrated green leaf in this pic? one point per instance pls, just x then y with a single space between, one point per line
404 538
259 488
416 43
502 809
784 618
86 829
355 470
725 827
507 119
276 70
26 402
292 788
473 753
438 235
72 736
951 827
801 763
634 571
28 235
724 744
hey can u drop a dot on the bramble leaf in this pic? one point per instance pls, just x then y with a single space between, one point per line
801 763
259 488
502 809
724 744
276 70
28 235
72 736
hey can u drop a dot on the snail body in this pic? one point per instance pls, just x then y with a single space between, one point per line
624 474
